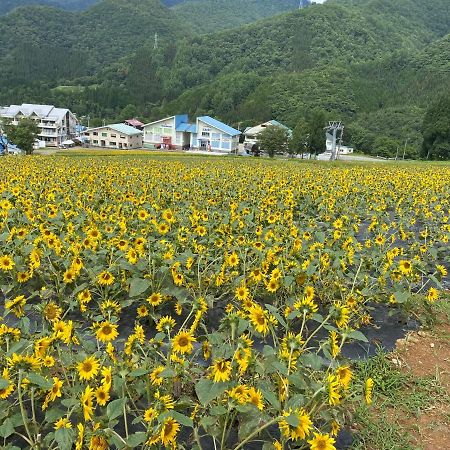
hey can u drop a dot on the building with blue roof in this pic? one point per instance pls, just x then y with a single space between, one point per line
176 132
117 135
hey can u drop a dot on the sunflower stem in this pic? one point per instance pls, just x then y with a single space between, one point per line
125 419
22 410
258 431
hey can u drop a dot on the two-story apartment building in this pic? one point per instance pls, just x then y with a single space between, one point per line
206 134
117 135
55 124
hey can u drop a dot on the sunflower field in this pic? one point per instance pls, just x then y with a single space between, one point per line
199 303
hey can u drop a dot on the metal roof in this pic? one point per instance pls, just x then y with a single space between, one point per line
187 127
219 125
134 122
28 109
120 128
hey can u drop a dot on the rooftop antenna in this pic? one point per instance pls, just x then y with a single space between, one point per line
332 130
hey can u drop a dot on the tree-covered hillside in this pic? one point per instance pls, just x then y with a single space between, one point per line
207 16
44 44
71 5
375 64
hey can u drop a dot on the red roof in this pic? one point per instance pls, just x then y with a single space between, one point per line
134 123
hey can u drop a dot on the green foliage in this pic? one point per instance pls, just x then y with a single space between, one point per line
23 134
274 139
436 130
213 15
377 72
75 5
315 127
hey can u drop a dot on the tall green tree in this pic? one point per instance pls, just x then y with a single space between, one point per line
316 132
23 134
299 141
436 130
274 139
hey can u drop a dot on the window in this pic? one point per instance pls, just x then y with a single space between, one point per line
113 135
113 143
205 133
121 137
215 136
95 133
104 134
95 141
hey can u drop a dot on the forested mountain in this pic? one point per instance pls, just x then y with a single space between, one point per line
45 44
213 15
375 64
71 5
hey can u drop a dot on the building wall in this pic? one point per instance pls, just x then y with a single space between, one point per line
109 138
52 131
218 140
156 133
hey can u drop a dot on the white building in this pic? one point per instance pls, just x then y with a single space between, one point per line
117 135
176 132
55 124
251 133
341 149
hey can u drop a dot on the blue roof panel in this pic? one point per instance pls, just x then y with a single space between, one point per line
219 125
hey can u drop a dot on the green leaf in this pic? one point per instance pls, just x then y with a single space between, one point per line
181 418
436 281
167 373
52 415
320 237
70 402
3 383
39 380
358 336
207 390
292 420
136 439
65 438
6 428
138 286
139 372
218 410
276 314
271 398
311 360
115 408
402 297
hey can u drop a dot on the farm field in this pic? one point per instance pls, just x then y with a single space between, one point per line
154 301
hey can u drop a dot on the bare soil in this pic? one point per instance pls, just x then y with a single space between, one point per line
424 354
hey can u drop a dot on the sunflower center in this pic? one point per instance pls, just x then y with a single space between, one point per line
87 366
183 341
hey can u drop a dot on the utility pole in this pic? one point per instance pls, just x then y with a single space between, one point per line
332 129
404 149
155 45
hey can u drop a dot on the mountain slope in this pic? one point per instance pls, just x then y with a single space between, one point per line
207 16
375 64
71 5
41 43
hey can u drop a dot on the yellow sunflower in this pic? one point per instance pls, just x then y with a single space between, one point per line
106 332
220 370
169 431
322 442
88 368
182 342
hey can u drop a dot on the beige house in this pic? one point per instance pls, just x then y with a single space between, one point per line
117 135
